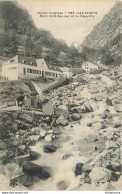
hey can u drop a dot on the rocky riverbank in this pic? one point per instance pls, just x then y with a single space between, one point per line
78 148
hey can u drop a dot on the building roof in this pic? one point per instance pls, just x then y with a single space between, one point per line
31 62
54 68
64 69
27 60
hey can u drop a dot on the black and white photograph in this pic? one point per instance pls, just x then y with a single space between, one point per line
60 95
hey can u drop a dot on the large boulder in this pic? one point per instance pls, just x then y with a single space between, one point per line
47 120
99 160
61 110
118 107
43 133
12 170
21 132
13 141
76 116
44 126
49 138
78 109
106 114
34 155
117 124
62 185
82 109
32 169
78 169
49 148
26 180
62 121
26 117
100 175
21 150
23 124
66 156
88 107
114 166
109 102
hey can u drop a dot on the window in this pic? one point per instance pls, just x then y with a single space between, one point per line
12 60
12 68
30 70
46 73
40 72
53 74
49 74
24 70
23 61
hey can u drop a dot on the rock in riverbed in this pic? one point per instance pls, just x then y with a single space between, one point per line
109 102
62 185
78 169
101 175
49 138
49 148
32 169
61 111
66 156
34 155
43 133
26 180
62 121
76 116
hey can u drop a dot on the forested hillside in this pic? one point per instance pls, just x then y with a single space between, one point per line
19 35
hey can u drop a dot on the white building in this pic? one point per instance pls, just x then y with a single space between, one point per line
90 67
66 72
20 67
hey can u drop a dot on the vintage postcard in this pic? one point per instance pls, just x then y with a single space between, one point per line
60 95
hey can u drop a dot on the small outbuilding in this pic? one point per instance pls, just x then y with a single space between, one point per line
47 107
90 67
66 72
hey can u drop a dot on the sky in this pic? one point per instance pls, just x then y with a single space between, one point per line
73 29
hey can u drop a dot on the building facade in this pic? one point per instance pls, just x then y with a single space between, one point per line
66 72
90 67
21 67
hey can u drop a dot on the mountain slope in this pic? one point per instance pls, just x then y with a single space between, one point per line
104 40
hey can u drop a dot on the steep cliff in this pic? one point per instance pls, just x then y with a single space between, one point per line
103 43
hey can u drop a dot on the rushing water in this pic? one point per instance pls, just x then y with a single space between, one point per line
71 141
